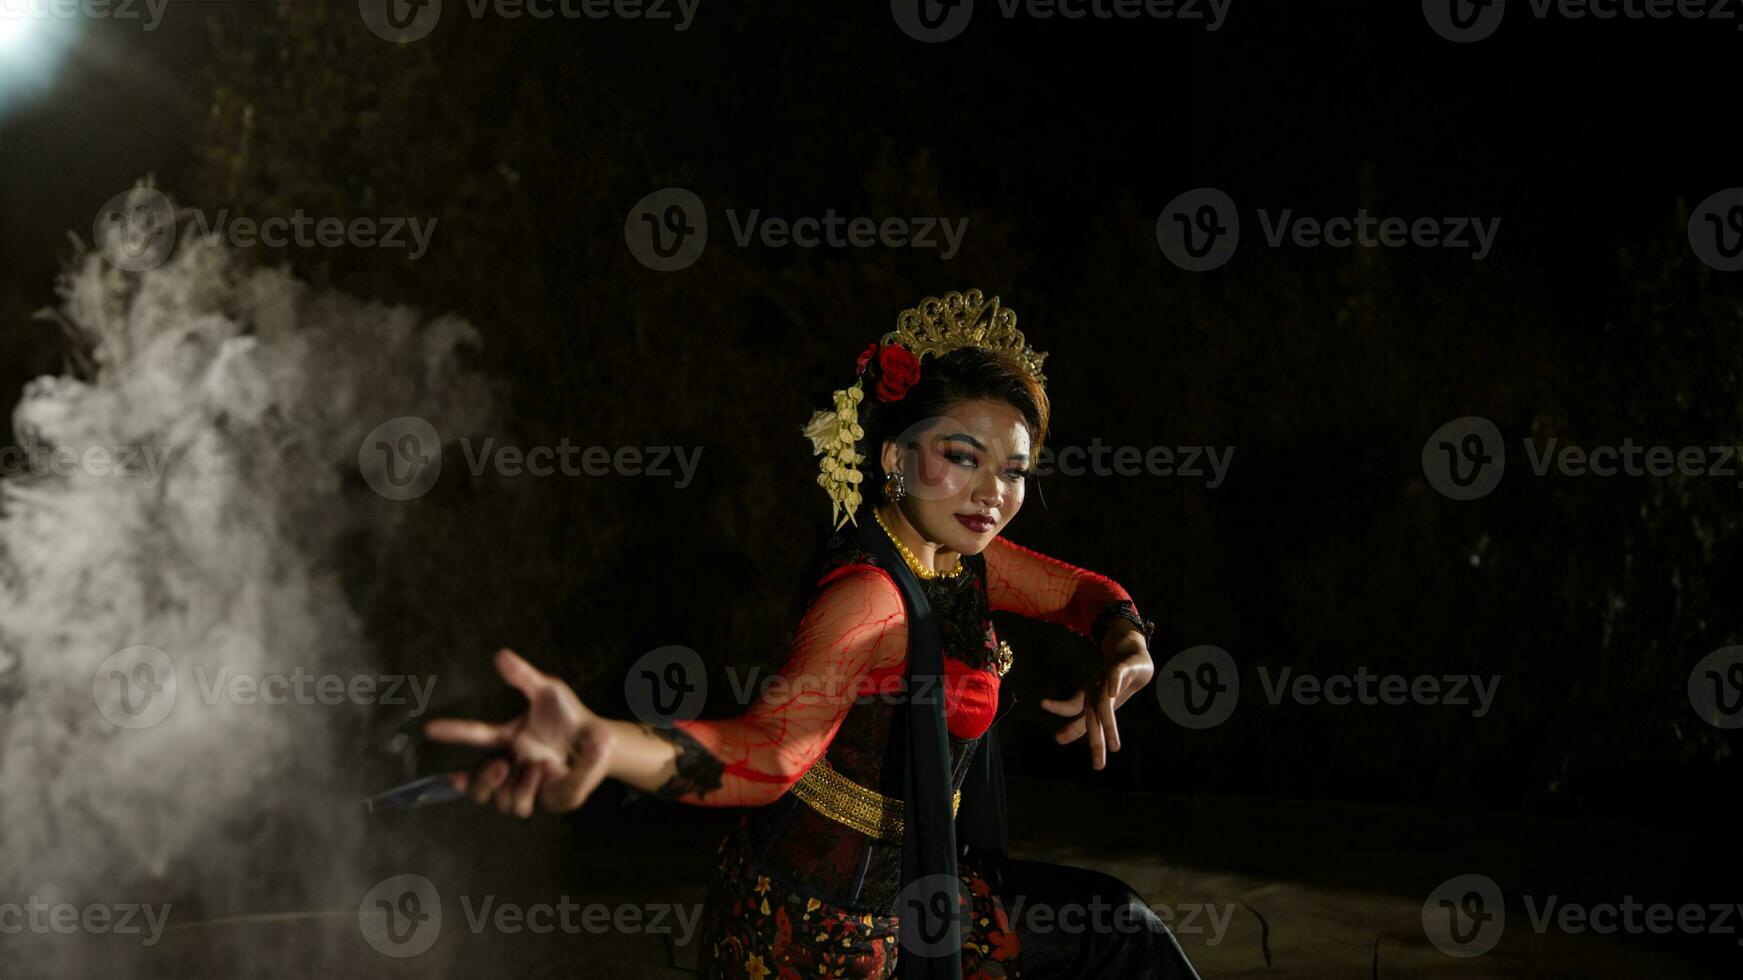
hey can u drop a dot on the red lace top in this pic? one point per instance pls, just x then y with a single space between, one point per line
852 642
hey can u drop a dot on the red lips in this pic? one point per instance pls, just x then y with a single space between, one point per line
977 523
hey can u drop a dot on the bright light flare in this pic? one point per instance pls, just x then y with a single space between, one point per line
15 24
33 38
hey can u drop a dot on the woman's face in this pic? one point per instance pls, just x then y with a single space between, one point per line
965 473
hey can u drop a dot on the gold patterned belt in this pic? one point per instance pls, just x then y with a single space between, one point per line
845 801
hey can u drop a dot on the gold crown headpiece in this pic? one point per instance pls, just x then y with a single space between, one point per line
937 326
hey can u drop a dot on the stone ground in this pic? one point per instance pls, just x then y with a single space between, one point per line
1273 889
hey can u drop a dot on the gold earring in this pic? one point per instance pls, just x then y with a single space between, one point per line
893 487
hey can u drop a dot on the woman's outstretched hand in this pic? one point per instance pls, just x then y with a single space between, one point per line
556 753
1126 668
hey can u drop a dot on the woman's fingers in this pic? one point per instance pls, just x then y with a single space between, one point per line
1070 706
1110 728
536 770
568 793
574 780
1098 755
561 795
1072 731
488 777
530 750
526 789
462 731
521 675
584 780
465 731
1096 720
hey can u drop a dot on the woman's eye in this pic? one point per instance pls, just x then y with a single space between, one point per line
1017 475
960 458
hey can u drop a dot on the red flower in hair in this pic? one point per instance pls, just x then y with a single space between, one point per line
898 369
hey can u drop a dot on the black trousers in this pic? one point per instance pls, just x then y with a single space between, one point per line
1073 922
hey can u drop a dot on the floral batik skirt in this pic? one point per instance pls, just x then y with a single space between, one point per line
758 927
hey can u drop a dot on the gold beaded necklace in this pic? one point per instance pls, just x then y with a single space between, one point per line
908 556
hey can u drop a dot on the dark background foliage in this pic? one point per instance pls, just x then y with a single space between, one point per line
1326 369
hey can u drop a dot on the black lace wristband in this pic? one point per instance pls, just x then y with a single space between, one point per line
699 771
1122 609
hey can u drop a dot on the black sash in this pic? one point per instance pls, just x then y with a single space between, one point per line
932 909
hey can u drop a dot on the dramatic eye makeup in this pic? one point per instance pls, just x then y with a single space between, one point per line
952 448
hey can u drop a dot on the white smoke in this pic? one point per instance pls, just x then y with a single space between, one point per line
242 396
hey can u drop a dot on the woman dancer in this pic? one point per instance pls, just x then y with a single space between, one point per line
875 839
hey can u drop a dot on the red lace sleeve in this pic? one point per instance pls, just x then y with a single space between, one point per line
856 621
1031 584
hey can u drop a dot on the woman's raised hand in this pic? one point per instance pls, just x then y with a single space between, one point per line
1126 668
555 754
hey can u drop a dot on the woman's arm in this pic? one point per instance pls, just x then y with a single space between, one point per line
856 622
1032 584
558 751
1091 605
